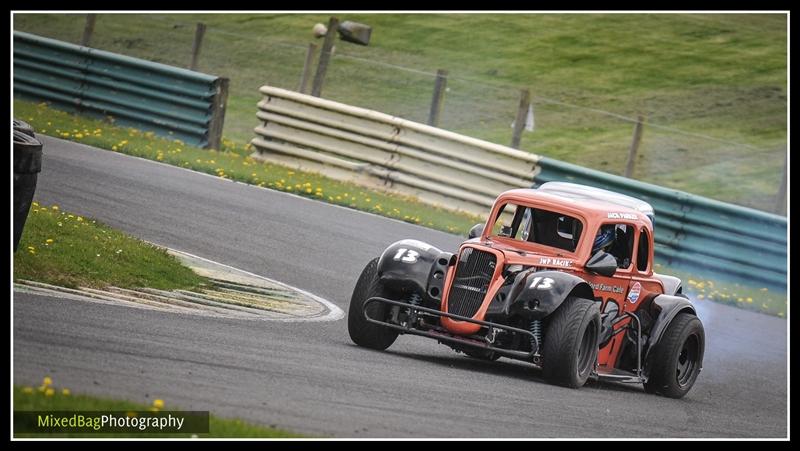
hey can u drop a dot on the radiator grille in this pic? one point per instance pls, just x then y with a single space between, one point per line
471 282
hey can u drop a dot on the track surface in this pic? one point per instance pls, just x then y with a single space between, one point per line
309 377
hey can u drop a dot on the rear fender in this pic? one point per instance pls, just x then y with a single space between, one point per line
664 308
412 266
536 294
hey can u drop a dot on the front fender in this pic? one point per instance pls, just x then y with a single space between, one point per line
411 266
536 294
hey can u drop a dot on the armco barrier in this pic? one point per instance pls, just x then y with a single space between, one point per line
459 172
697 233
375 149
170 101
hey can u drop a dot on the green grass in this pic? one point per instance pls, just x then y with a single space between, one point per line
66 249
748 297
722 75
50 398
233 162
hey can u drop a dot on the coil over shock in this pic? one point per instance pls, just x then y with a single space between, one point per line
536 329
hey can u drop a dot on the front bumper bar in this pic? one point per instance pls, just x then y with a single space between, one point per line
443 335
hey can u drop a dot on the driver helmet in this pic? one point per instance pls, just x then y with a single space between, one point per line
605 237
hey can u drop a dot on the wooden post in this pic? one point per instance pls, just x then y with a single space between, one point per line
324 57
522 115
637 139
218 108
439 87
312 49
88 29
196 44
780 205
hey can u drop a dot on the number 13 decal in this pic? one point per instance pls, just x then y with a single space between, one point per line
406 255
546 283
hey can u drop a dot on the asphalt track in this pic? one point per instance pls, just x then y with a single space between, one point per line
309 377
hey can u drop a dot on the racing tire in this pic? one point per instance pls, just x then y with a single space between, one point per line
571 342
362 332
677 358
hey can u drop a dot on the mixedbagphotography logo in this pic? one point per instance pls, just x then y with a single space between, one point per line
110 422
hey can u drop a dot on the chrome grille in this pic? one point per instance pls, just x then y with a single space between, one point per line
471 282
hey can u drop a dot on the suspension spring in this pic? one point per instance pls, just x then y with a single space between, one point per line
536 330
415 299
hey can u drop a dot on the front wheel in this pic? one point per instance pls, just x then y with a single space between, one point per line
678 357
571 342
362 332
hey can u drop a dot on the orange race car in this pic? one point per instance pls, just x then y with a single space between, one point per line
560 276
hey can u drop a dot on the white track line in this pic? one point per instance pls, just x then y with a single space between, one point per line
334 312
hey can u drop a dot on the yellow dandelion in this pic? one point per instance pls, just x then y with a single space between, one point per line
47 381
27 390
80 219
49 392
55 207
65 392
113 147
158 403
49 241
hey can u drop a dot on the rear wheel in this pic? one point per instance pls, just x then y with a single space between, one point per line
678 357
362 332
571 342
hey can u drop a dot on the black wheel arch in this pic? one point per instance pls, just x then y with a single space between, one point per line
664 308
538 300
420 268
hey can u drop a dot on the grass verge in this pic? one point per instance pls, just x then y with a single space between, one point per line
233 162
47 397
70 250
748 297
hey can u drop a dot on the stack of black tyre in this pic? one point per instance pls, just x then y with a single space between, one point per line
27 165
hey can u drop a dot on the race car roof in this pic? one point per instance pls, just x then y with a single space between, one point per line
584 192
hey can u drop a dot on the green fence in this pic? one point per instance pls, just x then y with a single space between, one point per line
697 233
170 101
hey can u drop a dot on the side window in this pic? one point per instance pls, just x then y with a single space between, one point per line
624 250
618 241
644 251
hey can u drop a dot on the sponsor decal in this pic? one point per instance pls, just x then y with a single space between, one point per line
622 216
608 288
633 295
555 262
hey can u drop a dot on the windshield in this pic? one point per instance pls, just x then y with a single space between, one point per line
539 226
